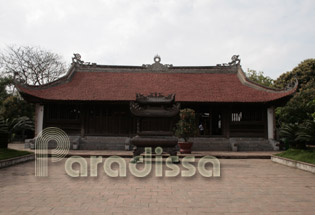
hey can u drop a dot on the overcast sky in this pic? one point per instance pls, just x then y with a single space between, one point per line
270 36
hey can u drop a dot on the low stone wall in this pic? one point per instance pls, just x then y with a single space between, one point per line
17 160
293 163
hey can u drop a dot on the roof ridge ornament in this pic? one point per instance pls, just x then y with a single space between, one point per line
235 61
157 59
292 84
157 66
77 58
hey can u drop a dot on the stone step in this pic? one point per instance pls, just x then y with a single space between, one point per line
102 143
211 144
101 146
254 146
200 144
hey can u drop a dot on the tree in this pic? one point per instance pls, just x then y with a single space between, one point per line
304 73
31 65
259 77
186 126
296 118
4 83
14 107
16 114
301 106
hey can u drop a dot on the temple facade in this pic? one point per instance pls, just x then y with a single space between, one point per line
92 103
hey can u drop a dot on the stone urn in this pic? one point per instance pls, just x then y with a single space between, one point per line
147 109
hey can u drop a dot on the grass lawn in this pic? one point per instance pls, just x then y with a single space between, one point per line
307 156
11 153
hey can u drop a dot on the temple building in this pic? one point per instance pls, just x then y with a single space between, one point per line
92 103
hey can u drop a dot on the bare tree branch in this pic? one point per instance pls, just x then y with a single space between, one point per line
31 65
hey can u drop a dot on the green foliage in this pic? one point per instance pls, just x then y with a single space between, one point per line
186 126
16 115
3 126
312 104
297 117
304 73
259 77
289 135
21 123
307 156
15 126
306 133
298 135
14 107
11 153
18 126
4 83
301 107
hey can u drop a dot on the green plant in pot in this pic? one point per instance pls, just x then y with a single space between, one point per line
186 128
4 134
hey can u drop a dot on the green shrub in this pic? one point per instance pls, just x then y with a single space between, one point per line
306 133
3 126
186 126
289 135
298 135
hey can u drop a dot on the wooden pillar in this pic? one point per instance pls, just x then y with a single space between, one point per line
271 122
39 118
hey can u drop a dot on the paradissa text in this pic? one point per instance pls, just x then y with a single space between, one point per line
173 170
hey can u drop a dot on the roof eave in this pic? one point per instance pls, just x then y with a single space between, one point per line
247 82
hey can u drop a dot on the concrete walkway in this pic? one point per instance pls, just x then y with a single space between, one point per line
128 154
246 186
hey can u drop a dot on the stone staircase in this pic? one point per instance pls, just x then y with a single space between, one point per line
102 143
200 144
251 144
211 144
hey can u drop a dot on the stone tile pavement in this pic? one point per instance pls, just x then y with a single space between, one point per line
246 186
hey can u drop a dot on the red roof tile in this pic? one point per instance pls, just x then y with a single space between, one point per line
122 86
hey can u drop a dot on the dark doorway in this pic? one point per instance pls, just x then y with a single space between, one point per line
210 123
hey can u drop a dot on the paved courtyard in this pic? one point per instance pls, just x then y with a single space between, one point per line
246 186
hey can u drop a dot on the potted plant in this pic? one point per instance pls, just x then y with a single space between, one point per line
4 134
186 128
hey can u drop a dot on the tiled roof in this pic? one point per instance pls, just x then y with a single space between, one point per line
190 84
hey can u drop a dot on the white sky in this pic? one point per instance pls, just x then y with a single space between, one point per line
270 36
